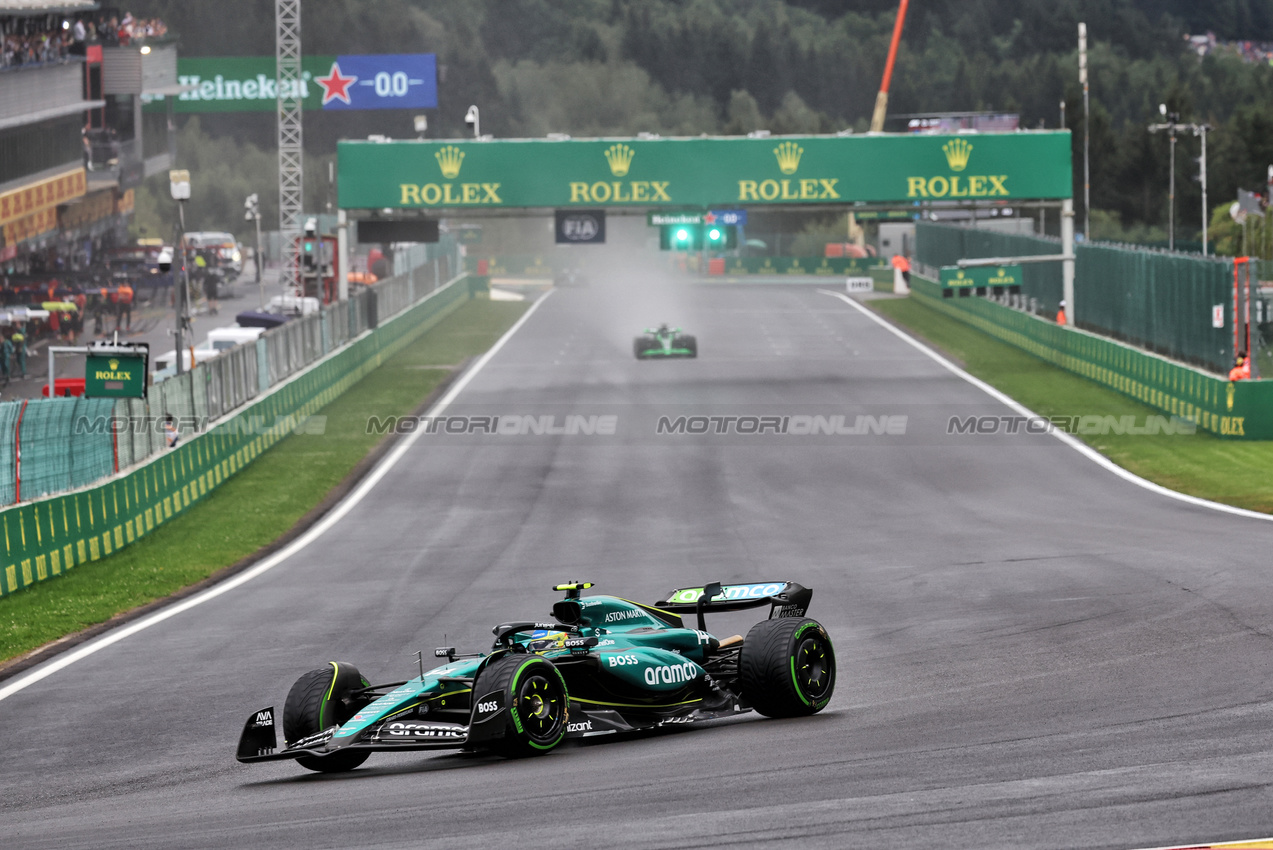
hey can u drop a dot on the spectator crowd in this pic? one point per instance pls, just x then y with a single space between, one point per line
26 41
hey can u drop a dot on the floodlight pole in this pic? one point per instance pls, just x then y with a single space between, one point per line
1201 130
1087 135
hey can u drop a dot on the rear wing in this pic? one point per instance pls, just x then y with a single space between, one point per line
787 599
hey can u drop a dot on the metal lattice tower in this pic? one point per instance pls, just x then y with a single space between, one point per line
291 152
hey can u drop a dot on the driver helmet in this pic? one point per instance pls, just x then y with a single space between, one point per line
542 640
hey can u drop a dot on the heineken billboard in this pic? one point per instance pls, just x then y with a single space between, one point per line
704 172
249 83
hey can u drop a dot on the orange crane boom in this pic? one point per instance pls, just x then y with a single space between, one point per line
881 100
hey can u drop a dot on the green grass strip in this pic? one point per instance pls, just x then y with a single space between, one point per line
256 506
1235 472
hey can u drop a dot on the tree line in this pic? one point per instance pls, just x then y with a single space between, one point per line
685 67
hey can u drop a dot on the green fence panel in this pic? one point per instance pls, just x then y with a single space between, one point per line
940 245
1241 410
43 539
1158 300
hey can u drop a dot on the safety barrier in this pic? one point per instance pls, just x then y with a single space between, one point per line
1158 300
44 539
1236 410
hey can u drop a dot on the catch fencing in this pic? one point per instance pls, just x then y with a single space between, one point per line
45 538
49 446
1157 300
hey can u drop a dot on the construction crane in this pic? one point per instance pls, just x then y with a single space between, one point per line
881 100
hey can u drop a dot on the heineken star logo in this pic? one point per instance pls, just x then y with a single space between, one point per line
335 86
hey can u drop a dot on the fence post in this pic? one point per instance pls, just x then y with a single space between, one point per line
17 454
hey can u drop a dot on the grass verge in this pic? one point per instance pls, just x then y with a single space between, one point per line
1234 472
256 506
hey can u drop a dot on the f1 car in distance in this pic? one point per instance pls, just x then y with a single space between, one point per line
664 342
606 664
570 277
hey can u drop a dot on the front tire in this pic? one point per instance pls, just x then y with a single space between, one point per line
787 667
538 706
319 700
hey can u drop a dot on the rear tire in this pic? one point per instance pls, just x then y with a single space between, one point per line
787 667
319 700
538 705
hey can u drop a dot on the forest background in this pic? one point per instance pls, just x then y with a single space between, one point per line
688 67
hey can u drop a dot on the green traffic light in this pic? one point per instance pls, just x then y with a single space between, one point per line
682 235
714 234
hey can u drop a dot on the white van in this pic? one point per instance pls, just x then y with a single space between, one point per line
223 339
168 359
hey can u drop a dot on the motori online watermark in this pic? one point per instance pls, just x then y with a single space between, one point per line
503 425
252 426
1084 425
799 425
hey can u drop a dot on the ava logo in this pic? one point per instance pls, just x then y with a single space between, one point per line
957 152
335 86
788 154
450 158
620 159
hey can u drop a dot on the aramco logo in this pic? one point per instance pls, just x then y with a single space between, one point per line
788 154
450 158
620 159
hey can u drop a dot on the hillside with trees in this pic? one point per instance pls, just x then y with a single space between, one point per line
684 67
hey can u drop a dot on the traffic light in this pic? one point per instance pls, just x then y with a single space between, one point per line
694 237
680 237
309 258
720 237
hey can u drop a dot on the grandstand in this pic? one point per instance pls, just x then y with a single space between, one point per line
74 141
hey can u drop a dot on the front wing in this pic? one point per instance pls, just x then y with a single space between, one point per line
259 741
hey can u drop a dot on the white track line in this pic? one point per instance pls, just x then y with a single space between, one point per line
335 516
1071 441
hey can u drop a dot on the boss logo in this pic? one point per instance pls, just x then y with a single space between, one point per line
487 707
622 660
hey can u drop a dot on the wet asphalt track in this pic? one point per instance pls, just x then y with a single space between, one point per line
1033 652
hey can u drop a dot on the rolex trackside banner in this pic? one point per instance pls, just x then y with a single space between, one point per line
248 83
704 172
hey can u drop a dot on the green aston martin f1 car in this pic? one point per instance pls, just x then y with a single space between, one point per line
664 342
603 665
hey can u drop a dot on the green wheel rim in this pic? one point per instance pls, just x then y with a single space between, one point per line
542 708
813 668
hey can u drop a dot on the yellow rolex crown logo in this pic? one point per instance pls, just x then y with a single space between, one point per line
450 158
957 152
1228 396
620 159
114 364
788 154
